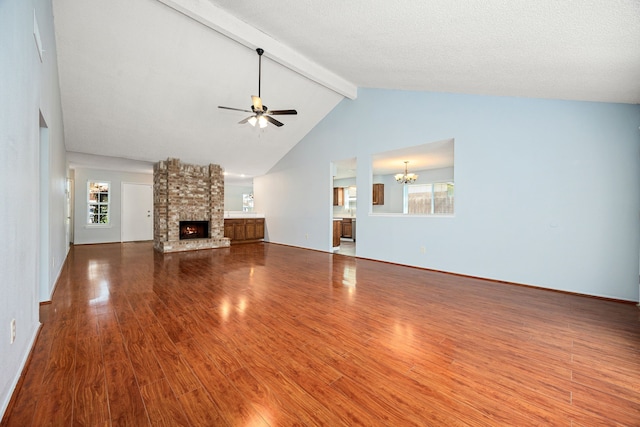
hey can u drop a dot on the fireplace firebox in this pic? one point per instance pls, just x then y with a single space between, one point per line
194 230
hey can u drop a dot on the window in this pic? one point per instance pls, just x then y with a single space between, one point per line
98 203
429 199
247 202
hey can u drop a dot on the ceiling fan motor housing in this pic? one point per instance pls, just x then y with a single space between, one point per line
259 109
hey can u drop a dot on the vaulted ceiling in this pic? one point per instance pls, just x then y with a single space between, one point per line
143 79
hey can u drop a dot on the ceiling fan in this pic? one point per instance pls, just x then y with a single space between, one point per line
261 114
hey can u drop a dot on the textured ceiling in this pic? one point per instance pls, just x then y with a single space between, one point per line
579 50
142 80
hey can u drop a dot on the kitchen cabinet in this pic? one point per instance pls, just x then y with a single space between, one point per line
228 229
337 232
347 228
250 229
239 230
338 196
378 194
244 230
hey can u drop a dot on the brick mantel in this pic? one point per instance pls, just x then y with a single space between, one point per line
184 192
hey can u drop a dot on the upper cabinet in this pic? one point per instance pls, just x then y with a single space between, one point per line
378 194
338 196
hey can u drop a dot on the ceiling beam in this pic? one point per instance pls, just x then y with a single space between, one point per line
224 23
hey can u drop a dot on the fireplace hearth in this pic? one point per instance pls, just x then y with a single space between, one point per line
194 230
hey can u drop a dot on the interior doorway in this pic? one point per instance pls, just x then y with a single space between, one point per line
344 209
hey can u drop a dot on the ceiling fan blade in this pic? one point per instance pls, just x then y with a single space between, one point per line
281 112
257 102
243 121
273 121
234 109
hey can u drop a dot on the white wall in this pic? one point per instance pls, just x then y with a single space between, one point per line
547 191
28 87
112 233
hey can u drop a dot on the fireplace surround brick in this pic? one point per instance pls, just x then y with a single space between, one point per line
184 192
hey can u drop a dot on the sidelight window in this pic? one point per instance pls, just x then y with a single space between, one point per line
98 202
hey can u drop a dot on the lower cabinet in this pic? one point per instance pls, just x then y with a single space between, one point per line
347 229
244 230
337 232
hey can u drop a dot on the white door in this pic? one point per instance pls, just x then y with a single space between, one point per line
137 212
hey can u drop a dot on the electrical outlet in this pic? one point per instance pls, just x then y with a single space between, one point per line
306 236
13 330
423 250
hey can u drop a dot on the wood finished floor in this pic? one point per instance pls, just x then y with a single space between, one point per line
262 334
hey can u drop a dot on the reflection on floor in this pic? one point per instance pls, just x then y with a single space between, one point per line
347 247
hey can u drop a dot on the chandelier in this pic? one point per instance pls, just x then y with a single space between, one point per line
406 178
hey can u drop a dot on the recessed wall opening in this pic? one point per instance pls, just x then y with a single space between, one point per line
416 180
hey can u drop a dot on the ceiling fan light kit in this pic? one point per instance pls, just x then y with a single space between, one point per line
406 178
261 114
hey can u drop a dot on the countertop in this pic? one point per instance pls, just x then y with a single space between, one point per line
240 214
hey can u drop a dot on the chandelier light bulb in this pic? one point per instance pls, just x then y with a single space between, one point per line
406 178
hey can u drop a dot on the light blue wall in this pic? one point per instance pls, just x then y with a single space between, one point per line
547 191
27 87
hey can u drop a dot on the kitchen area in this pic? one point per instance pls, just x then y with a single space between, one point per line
344 219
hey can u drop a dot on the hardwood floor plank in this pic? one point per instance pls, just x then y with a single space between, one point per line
90 404
139 349
232 405
176 370
126 406
264 334
162 406
311 412
273 409
55 407
605 405
113 348
223 358
200 409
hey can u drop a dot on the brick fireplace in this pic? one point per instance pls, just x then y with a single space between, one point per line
188 194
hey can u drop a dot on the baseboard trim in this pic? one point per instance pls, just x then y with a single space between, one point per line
504 282
17 382
622 301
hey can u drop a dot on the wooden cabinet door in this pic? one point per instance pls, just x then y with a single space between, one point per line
338 196
259 228
239 230
378 194
228 229
347 230
337 232
250 229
